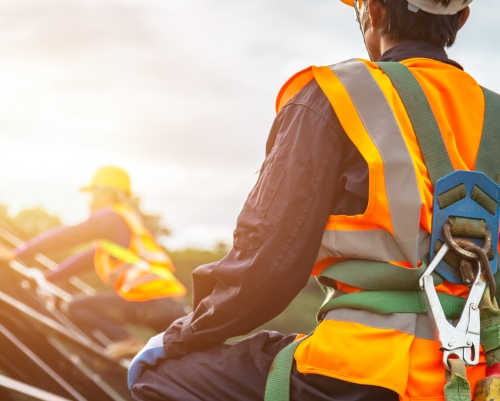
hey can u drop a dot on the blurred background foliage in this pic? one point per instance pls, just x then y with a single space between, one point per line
299 317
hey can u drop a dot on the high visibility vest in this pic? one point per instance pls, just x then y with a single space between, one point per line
141 272
397 350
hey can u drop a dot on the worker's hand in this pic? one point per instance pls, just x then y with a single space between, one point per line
148 356
6 254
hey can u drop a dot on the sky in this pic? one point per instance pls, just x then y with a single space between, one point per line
180 93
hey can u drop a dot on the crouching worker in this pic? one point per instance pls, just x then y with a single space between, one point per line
346 192
142 291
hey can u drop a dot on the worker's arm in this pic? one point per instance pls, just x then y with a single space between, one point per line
278 232
76 264
103 224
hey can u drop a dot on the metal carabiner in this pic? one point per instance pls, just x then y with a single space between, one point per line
463 339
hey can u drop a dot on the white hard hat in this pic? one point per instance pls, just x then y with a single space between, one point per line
438 8
430 6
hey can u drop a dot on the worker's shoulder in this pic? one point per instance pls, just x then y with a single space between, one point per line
303 90
107 215
294 85
303 87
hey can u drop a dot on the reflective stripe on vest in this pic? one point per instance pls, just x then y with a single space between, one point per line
141 236
141 272
418 325
394 170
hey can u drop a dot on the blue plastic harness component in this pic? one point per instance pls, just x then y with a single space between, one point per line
466 207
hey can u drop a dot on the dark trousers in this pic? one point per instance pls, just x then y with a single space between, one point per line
109 313
238 372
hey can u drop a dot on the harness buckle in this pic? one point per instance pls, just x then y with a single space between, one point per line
471 202
462 340
472 196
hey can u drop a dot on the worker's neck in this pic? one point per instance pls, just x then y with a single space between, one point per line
384 45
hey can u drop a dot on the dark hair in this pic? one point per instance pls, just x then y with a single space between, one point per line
402 24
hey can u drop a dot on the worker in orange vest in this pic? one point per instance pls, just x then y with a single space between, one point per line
346 193
127 258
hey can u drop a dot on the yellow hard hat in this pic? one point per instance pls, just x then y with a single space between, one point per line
428 6
110 177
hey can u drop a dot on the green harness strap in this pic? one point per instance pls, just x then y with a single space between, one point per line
429 137
278 381
430 140
487 158
392 289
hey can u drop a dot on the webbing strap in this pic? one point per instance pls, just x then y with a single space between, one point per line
487 159
422 118
490 328
427 131
278 381
497 281
375 275
457 388
385 302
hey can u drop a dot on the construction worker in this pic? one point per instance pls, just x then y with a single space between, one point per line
142 288
343 153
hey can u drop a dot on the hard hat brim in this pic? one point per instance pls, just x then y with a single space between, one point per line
438 9
92 188
454 7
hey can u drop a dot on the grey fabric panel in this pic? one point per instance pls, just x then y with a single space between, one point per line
380 122
415 324
367 244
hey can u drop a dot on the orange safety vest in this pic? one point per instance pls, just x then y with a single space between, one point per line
396 351
141 272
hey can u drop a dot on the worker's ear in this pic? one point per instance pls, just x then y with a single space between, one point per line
376 12
464 16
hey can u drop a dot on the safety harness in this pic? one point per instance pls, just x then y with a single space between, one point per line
466 207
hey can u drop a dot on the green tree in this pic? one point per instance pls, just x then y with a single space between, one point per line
35 221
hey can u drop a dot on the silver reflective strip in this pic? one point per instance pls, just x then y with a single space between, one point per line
138 232
367 244
150 256
118 270
415 324
400 177
131 284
